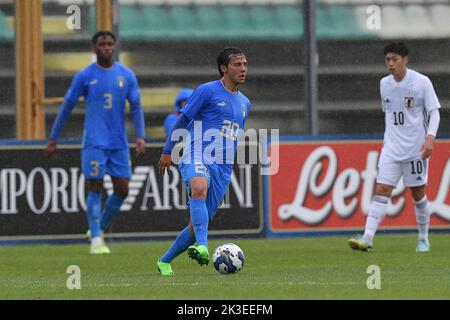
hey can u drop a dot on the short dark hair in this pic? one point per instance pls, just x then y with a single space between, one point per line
224 57
99 34
396 47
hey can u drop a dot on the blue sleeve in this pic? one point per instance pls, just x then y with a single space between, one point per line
181 123
137 114
76 90
134 93
196 101
61 119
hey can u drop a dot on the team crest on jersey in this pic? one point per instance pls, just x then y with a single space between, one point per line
409 102
244 111
121 81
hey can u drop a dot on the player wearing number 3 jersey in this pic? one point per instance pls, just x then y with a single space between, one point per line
412 119
106 85
213 120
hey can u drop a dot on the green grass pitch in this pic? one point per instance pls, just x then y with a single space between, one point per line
288 268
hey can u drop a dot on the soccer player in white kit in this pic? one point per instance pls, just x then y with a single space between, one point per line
411 119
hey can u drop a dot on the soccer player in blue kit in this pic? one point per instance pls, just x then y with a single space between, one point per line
216 111
106 85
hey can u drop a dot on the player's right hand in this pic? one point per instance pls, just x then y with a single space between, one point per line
51 148
164 163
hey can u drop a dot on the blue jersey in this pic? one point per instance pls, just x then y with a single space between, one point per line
221 115
105 92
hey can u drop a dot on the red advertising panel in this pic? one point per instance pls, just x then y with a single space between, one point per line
328 185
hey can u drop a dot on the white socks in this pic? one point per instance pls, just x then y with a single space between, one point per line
423 211
376 214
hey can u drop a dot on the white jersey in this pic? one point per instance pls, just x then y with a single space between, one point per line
406 105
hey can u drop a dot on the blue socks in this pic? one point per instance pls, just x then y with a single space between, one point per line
112 207
184 239
200 219
94 207
97 219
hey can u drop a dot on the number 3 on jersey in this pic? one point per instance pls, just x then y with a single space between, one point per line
108 97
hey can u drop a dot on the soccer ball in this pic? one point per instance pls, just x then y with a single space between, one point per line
228 258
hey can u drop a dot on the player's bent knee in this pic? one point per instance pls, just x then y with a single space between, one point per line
199 188
198 193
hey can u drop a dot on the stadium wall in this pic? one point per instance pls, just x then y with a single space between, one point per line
43 201
324 186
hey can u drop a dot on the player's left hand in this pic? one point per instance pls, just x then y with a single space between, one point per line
140 147
427 147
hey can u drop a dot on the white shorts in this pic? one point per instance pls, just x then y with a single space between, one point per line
414 171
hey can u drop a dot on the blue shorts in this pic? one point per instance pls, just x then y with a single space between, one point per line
95 162
218 177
